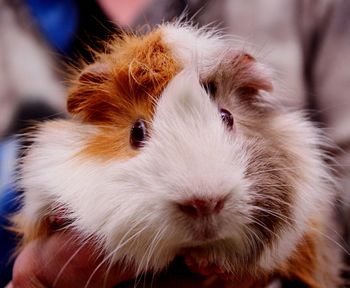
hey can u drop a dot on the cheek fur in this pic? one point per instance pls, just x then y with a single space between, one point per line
88 165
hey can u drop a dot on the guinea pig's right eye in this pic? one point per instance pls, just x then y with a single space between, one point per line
138 134
227 118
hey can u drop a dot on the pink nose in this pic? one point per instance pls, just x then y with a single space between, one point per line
201 207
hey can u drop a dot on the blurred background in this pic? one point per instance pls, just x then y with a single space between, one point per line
306 42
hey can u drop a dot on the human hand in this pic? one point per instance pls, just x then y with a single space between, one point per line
62 261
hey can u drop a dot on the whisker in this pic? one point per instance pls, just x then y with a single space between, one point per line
150 253
69 260
119 246
110 255
262 225
147 255
344 249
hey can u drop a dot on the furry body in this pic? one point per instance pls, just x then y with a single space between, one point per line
268 170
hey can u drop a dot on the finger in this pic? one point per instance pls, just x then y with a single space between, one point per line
64 261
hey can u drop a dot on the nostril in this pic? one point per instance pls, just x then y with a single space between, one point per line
197 207
189 209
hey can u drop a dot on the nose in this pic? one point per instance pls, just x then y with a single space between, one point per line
201 207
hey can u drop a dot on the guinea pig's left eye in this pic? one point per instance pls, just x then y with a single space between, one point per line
138 134
227 118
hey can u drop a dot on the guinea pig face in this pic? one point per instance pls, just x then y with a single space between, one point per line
175 147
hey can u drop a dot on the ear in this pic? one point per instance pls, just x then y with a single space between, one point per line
89 92
250 76
94 73
260 77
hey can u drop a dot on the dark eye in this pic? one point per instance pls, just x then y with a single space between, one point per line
210 88
138 134
227 118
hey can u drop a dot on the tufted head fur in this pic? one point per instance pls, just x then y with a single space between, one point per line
222 172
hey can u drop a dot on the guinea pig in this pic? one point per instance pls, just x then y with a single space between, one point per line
176 147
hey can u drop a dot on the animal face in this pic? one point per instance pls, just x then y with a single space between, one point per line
176 145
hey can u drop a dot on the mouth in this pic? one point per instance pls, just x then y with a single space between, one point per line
202 232
181 273
178 274
204 235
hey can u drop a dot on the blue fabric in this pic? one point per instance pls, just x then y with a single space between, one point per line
57 19
8 205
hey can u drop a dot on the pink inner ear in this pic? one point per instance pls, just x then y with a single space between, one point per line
249 72
234 55
95 73
247 58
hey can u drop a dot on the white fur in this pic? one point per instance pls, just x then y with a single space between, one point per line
313 199
190 154
313 196
130 206
187 44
